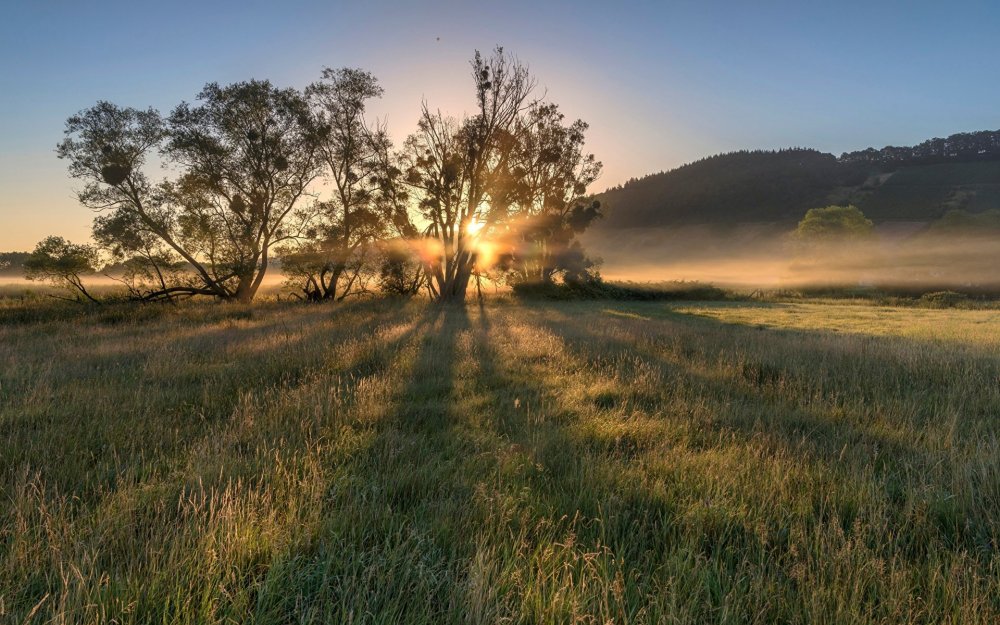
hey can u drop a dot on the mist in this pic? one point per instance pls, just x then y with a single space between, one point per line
900 255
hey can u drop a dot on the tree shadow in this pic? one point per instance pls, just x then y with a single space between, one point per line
399 507
742 394
239 458
474 474
587 503
749 407
188 388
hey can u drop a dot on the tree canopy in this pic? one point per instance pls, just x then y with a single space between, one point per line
832 224
254 170
244 157
62 263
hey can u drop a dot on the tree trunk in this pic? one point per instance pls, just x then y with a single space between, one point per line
245 289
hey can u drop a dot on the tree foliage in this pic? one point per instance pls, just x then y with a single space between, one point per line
961 147
964 223
911 183
501 190
347 223
63 263
13 262
399 273
737 187
833 224
545 193
244 158
458 169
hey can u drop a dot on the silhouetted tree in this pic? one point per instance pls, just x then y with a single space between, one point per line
139 259
328 265
62 263
245 156
543 190
250 151
961 147
399 272
455 167
12 262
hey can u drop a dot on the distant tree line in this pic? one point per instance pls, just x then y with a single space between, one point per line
258 173
961 147
12 263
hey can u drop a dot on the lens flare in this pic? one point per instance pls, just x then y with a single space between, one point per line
474 227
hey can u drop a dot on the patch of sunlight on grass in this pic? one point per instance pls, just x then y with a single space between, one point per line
972 327
625 313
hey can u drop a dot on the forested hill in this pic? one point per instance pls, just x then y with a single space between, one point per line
916 183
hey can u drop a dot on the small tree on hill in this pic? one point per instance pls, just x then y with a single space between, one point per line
833 224
827 245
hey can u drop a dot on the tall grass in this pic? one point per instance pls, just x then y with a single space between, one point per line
562 462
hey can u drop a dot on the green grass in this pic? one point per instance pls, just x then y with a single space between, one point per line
936 325
551 462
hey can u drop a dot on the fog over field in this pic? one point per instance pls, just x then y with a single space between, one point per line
762 256
765 256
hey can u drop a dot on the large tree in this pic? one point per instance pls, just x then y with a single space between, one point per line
329 263
243 158
506 184
457 167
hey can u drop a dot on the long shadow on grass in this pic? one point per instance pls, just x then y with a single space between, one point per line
128 418
245 462
792 426
741 406
395 543
589 507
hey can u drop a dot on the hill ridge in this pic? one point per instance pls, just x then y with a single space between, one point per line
913 183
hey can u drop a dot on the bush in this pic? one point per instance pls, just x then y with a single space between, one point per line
833 223
399 273
599 289
944 299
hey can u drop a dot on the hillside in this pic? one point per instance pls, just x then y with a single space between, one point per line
919 183
927 192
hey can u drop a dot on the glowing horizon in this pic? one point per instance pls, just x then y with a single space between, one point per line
660 85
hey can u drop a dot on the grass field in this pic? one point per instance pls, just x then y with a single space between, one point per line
598 462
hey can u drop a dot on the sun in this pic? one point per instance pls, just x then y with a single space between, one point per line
474 227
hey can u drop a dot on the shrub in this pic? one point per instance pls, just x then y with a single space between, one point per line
599 289
944 299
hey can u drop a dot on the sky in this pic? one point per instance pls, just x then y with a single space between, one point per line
660 83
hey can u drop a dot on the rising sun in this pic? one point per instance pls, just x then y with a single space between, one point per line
474 227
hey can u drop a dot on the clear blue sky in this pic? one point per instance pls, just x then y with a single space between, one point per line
661 83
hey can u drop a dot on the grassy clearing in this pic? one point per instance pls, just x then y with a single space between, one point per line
585 462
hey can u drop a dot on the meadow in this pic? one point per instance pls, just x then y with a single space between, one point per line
392 461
